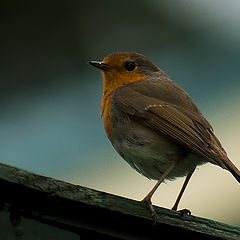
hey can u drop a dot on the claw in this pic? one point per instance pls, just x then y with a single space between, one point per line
185 211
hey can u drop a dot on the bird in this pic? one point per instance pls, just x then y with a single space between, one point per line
154 124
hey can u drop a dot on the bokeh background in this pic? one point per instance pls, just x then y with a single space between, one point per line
50 98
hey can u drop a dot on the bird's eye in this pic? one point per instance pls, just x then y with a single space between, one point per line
130 66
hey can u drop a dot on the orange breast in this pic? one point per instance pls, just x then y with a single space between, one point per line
111 84
106 112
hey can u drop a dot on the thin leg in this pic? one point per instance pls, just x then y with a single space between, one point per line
147 199
182 190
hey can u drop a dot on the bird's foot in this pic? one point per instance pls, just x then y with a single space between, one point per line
151 208
184 211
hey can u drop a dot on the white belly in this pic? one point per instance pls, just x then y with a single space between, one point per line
151 154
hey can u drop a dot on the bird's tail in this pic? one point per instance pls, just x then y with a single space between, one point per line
228 165
234 171
224 161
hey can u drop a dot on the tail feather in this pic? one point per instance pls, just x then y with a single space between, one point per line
222 159
231 168
235 172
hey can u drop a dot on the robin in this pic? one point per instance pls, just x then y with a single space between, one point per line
154 124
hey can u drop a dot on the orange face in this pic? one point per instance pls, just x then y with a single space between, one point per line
119 69
122 70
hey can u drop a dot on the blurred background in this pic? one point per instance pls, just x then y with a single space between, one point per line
50 97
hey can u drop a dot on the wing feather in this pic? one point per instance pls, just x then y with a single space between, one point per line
184 126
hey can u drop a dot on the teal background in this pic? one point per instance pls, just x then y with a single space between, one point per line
50 97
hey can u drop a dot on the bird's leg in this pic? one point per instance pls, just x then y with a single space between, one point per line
148 197
175 206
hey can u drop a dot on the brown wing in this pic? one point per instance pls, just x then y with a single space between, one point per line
184 126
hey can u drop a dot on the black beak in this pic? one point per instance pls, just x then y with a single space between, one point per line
101 65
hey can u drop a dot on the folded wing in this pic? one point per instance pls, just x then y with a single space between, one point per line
184 125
